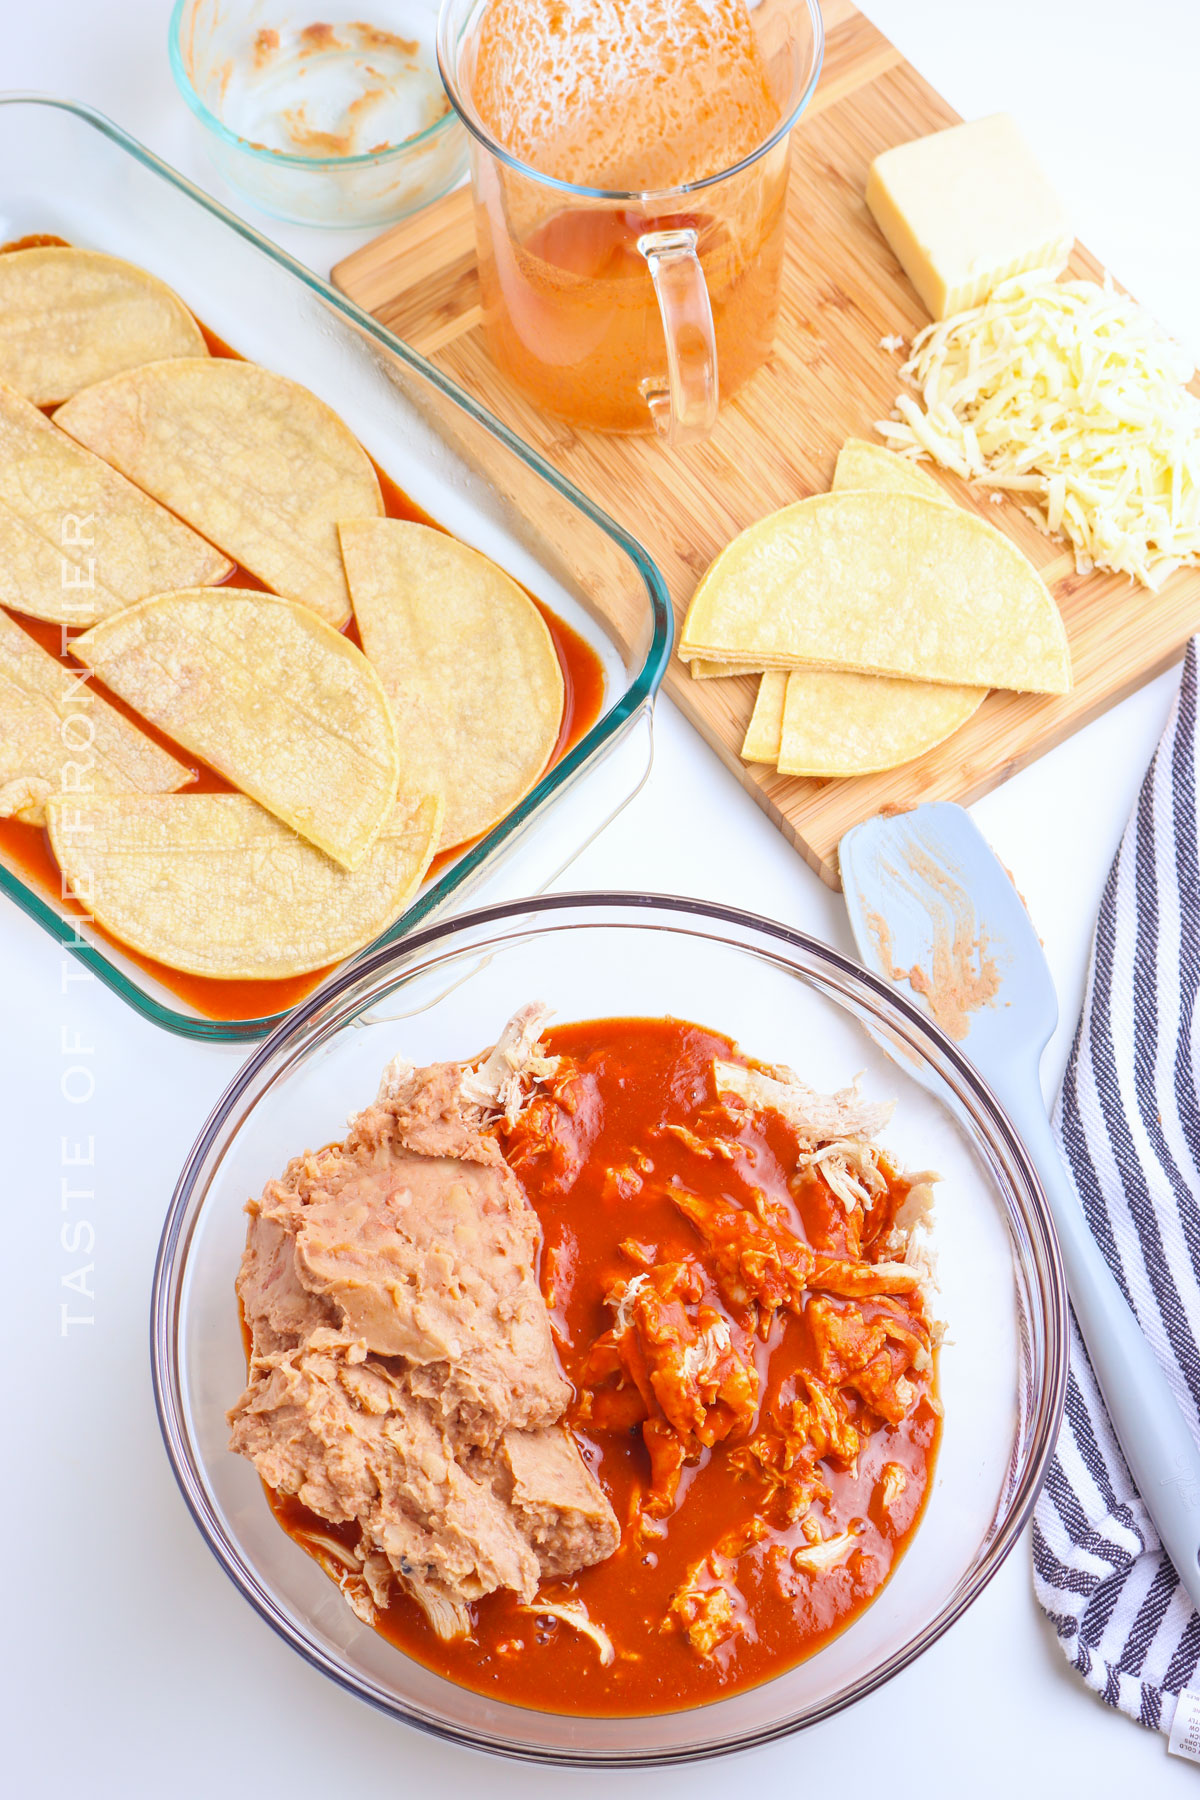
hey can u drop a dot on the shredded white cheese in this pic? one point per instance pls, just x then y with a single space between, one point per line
1070 397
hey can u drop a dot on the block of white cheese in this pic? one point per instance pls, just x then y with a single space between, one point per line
966 208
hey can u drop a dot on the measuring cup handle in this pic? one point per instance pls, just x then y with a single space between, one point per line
686 409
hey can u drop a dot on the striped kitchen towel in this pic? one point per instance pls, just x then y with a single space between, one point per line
1128 1122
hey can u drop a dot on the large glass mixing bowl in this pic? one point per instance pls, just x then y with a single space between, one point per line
444 993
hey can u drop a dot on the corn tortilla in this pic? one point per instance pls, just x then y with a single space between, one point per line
253 461
58 737
213 885
466 661
835 724
267 694
708 671
765 729
885 584
78 541
862 465
859 465
825 723
840 724
70 317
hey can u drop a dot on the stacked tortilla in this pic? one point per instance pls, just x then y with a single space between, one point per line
880 615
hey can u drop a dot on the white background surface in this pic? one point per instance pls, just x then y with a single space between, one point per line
129 1665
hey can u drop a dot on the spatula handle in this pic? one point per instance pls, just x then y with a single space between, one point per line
1153 1432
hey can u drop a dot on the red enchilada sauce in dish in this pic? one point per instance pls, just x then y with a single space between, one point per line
753 1375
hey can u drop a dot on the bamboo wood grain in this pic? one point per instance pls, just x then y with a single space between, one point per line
827 379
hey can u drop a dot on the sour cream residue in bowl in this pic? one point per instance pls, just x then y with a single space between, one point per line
332 90
328 122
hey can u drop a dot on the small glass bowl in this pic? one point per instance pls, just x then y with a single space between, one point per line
444 993
321 119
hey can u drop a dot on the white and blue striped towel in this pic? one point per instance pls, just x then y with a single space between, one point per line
1128 1121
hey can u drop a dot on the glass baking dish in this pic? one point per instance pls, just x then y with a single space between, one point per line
67 170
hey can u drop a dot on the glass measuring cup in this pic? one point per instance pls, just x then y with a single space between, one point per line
634 311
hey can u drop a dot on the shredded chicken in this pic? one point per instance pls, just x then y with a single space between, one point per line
914 1238
819 1558
703 1608
575 1614
851 1167
344 1566
892 1484
821 1416
756 1264
838 1275
869 1355
504 1081
817 1118
726 1148
671 1347
783 1459
764 1264
501 1083
678 1365
329 1548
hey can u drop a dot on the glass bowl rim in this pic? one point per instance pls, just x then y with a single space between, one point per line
988 1116
262 153
467 116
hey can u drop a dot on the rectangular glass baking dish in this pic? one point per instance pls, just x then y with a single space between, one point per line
66 169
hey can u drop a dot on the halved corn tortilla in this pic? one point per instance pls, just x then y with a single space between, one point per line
823 722
863 465
708 671
70 317
467 663
859 465
885 584
275 700
58 737
826 722
835 724
212 884
78 541
765 730
258 464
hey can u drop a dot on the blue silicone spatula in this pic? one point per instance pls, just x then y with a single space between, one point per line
925 891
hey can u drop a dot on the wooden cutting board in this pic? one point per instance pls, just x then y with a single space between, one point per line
829 377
